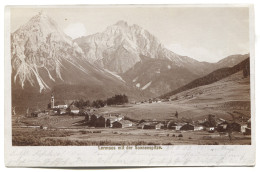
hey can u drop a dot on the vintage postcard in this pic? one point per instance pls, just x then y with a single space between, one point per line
129 85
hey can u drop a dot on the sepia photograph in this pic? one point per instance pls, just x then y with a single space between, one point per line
130 76
123 77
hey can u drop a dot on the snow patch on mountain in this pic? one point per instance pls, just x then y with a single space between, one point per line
41 83
135 79
146 86
115 74
49 74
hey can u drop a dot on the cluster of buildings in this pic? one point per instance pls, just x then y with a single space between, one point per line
243 127
57 108
107 121
221 125
119 121
169 125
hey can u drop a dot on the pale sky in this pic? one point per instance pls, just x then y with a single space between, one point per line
203 33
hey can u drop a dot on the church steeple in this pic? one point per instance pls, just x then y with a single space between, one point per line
52 101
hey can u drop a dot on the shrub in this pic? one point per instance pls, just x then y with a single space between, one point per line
180 135
96 132
83 132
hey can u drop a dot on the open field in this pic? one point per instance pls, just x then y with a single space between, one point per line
166 110
83 137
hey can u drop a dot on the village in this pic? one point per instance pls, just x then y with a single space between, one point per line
95 119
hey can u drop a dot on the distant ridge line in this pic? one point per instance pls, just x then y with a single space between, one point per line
211 78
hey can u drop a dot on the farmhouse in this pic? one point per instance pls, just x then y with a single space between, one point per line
198 128
149 125
122 124
248 131
171 124
210 129
103 120
74 109
93 119
118 116
62 111
243 128
38 114
100 122
235 126
222 127
187 127
159 126
248 128
175 125
110 120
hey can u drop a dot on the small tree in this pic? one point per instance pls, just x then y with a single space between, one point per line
211 119
246 71
176 115
87 103
49 105
98 103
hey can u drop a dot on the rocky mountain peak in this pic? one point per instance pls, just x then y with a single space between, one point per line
119 46
42 15
40 45
121 23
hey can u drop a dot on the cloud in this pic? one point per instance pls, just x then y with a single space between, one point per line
75 30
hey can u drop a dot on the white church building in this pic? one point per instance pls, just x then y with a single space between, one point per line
58 104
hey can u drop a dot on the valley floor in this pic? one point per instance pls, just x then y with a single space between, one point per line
84 137
63 130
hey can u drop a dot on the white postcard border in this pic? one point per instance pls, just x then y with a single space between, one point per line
90 156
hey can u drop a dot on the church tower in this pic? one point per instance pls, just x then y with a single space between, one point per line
52 101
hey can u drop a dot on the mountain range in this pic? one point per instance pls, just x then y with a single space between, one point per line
213 77
124 59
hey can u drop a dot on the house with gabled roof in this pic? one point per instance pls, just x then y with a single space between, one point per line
159 126
122 124
187 127
74 109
